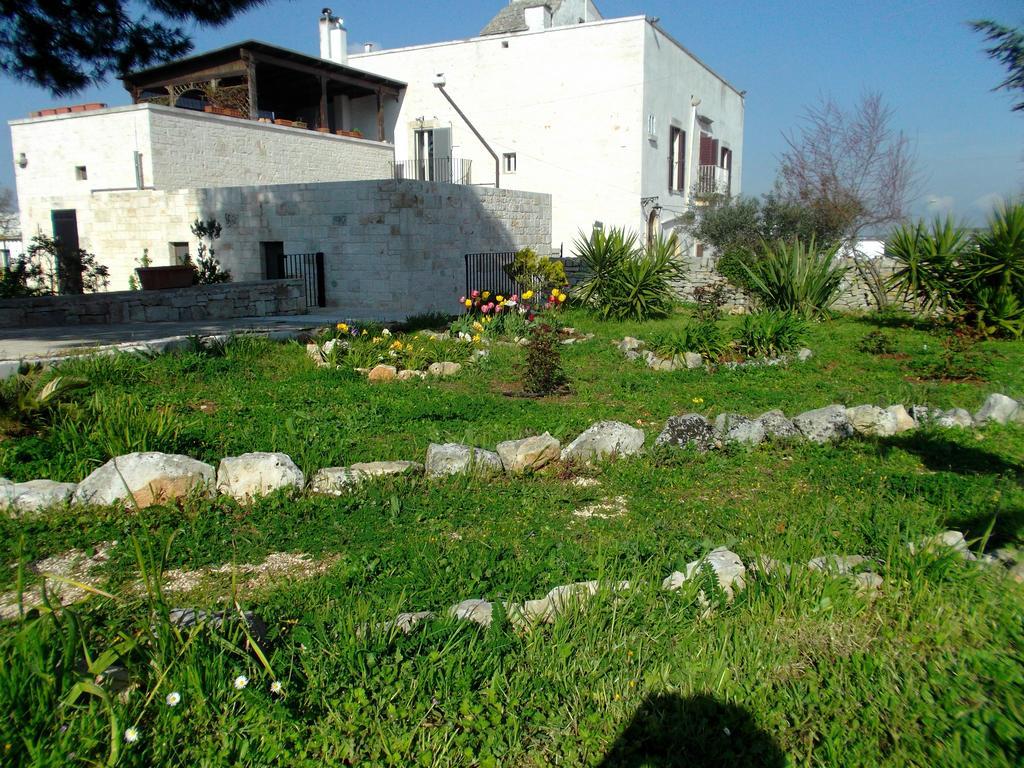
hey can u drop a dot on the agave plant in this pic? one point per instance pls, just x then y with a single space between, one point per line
603 254
796 277
928 262
998 259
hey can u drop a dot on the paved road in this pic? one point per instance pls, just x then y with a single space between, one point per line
26 343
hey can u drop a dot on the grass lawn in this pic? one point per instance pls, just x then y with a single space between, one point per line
797 670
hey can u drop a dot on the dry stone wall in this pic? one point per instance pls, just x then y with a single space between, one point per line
212 302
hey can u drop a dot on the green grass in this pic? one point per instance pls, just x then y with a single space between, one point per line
801 671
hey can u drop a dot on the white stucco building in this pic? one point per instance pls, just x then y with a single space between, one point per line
613 117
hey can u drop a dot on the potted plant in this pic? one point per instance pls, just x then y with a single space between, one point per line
300 123
164 278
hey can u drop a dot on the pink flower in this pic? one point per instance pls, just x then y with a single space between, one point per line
514 297
462 299
475 294
498 309
485 308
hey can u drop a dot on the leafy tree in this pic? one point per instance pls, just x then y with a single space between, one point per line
65 45
60 270
1009 51
207 267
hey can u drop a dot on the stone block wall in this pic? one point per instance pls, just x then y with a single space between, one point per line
209 302
391 248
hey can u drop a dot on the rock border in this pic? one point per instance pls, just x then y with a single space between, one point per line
167 477
635 349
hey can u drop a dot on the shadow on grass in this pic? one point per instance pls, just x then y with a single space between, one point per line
898 320
1006 526
669 730
940 454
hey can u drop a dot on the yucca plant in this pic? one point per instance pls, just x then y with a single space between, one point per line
796 277
998 259
624 281
603 254
928 261
770 334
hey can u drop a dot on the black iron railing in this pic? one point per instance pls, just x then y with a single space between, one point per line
450 170
486 272
309 267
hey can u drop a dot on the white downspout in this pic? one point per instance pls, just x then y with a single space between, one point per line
694 103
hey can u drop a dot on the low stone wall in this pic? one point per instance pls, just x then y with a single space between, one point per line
208 302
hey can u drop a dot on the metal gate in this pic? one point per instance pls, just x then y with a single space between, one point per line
309 267
485 272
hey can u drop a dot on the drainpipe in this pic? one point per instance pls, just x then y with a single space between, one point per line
439 83
694 103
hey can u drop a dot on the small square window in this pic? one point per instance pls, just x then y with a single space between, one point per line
80 173
510 162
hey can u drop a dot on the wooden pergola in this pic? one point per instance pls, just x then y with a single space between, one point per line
255 80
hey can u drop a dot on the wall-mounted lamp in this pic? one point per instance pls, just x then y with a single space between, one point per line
22 160
439 81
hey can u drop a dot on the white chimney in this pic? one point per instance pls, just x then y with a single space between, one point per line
368 48
333 38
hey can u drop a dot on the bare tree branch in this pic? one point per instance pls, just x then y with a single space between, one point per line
854 168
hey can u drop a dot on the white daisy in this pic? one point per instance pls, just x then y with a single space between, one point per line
276 688
131 735
173 699
240 682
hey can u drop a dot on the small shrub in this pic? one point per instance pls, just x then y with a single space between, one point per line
542 371
955 358
710 299
625 282
794 277
877 343
207 269
52 269
704 338
538 273
770 334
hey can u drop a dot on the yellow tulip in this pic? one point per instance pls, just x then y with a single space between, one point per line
469 302
485 294
528 295
499 299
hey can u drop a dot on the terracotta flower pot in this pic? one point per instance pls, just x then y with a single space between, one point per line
164 278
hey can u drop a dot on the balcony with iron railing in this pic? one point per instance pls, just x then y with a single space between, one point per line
713 180
448 170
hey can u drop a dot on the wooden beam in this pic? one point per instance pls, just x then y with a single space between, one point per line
250 79
380 115
323 103
198 77
367 85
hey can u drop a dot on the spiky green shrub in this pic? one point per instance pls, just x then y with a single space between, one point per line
927 260
771 333
624 281
796 277
705 338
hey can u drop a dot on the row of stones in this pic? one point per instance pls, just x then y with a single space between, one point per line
144 479
633 349
830 424
728 571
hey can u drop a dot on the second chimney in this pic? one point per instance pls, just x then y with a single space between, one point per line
333 38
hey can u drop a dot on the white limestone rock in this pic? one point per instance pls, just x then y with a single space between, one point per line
842 565
605 439
691 428
954 418
444 369
457 459
475 610
529 454
1000 409
337 481
34 495
824 425
741 430
693 360
804 355
904 421
872 421
953 540
257 474
144 479
726 565
778 427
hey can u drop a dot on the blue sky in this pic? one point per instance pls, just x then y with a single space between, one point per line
918 53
